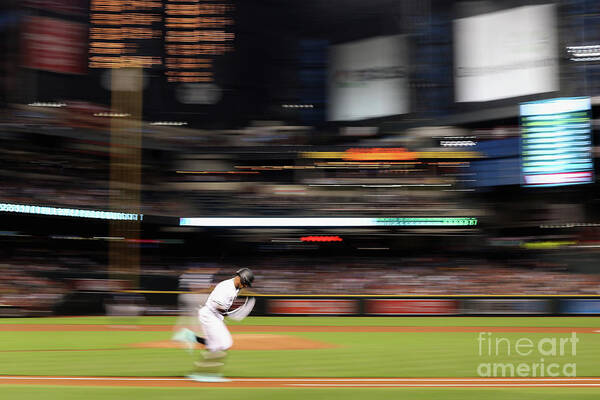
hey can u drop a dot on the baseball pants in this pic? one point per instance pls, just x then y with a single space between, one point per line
216 334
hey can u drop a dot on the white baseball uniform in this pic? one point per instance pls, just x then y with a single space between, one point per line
216 334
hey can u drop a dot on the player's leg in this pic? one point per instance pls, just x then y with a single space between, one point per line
188 338
200 340
187 326
217 340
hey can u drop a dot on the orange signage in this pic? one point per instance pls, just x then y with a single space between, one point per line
379 153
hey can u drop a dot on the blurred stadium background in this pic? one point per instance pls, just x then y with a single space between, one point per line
398 157
381 162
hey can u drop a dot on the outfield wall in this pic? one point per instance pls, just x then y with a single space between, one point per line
428 306
166 303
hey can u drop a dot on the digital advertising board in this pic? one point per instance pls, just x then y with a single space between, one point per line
556 144
368 79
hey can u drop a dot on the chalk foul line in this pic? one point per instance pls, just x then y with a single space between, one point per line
304 382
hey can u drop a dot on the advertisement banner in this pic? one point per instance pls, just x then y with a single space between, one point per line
410 307
505 54
506 306
312 306
368 79
54 45
580 306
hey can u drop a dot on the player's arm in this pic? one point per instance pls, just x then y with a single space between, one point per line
242 311
220 307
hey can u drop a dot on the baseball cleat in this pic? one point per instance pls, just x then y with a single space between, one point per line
207 378
187 337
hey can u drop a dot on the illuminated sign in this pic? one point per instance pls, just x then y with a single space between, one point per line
378 154
507 53
68 212
327 222
548 245
321 239
368 79
134 33
195 33
125 33
556 147
427 221
389 154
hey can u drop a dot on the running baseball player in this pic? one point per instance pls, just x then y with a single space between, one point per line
217 338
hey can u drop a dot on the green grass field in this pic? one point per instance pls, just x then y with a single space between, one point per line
104 393
357 354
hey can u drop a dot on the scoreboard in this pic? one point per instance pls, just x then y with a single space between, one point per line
180 38
556 144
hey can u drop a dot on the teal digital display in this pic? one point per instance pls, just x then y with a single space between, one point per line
556 144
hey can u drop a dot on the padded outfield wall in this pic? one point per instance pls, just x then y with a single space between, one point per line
166 303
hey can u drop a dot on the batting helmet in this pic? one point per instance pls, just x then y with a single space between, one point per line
246 276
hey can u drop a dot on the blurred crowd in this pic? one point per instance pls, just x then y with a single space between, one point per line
424 277
425 281
23 292
36 285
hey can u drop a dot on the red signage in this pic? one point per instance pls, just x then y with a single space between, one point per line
54 45
383 153
312 306
321 239
410 307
